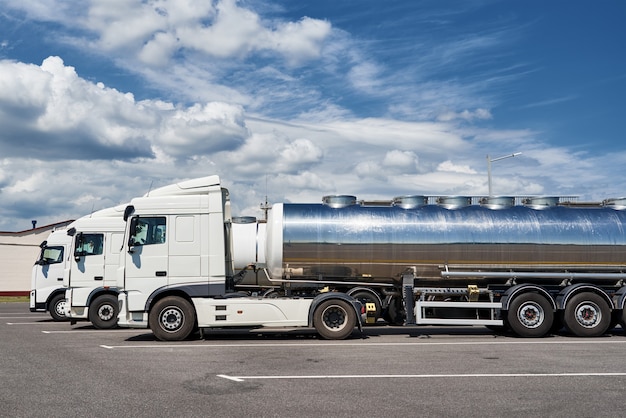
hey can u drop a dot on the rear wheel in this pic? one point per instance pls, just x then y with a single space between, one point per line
530 315
57 307
587 315
103 312
172 319
334 319
364 297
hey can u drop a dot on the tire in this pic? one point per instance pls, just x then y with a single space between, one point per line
364 297
57 307
395 313
334 319
172 319
587 315
530 315
103 312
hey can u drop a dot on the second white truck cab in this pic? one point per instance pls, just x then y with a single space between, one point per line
91 292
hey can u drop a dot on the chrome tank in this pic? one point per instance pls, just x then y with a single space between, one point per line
377 243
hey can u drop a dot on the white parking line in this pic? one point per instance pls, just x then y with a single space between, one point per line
360 344
418 376
82 331
34 323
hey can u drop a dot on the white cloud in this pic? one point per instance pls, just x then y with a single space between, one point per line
406 160
449 166
154 31
87 120
467 115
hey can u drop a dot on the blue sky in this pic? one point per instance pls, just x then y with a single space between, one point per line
101 100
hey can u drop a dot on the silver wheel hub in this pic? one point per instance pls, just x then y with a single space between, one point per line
60 308
105 312
530 314
171 319
588 314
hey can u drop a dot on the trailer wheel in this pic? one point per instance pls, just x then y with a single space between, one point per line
103 312
334 319
172 319
530 315
587 315
57 307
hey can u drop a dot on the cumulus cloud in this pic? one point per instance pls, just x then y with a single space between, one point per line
154 31
406 160
449 166
50 112
272 153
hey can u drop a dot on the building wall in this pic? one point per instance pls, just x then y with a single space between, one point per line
18 252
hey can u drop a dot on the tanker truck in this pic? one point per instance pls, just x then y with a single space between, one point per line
530 267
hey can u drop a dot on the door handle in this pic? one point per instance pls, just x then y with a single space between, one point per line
98 278
161 273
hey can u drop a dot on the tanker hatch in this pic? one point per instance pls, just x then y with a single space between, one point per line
410 202
339 201
542 202
454 202
497 202
617 204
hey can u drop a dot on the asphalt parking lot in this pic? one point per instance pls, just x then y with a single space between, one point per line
55 369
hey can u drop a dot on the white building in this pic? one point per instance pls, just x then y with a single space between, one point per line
18 252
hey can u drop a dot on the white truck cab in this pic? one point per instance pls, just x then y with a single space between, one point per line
89 278
47 291
177 271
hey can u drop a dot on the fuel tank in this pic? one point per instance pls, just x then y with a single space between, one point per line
360 243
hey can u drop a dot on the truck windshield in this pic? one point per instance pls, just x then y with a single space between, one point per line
51 255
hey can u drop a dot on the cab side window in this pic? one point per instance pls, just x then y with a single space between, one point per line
147 231
89 244
51 255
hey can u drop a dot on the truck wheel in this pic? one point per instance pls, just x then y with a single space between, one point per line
103 312
172 319
364 297
530 315
334 319
587 315
57 307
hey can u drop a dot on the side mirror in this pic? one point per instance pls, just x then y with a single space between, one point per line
128 211
78 246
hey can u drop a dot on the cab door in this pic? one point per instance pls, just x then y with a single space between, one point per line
88 267
146 259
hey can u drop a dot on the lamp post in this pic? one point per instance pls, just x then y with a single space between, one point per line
491 160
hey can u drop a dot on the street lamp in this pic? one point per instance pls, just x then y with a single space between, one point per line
491 160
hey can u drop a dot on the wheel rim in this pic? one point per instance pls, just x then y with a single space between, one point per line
334 318
588 314
530 315
59 308
105 312
172 318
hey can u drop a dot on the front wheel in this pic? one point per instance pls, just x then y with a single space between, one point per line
334 319
587 315
172 319
103 312
530 315
57 308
